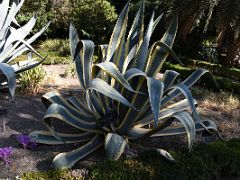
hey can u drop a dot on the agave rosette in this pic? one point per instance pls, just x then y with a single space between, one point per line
14 42
122 100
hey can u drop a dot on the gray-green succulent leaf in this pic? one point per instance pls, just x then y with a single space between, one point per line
14 40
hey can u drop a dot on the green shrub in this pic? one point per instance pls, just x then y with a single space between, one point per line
30 80
54 59
58 11
93 19
59 46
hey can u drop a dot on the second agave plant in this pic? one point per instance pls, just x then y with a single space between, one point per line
122 99
14 42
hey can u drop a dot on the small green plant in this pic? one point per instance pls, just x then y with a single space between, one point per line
122 100
14 41
30 80
59 46
70 71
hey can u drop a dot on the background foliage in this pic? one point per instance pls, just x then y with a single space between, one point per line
93 17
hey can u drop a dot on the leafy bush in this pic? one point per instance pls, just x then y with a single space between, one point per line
58 11
93 19
55 59
59 46
122 100
30 80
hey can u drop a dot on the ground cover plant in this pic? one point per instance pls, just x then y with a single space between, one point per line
14 42
56 50
122 100
219 160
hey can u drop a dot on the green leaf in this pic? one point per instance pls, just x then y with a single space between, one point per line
134 37
104 88
118 32
114 146
23 47
103 48
9 73
183 116
74 42
95 104
169 78
189 125
10 17
3 10
166 154
113 71
79 104
20 33
57 112
186 92
67 160
165 112
143 52
155 49
46 137
178 130
85 50
192 79
54 97
133 72
30 66
159 55
155 91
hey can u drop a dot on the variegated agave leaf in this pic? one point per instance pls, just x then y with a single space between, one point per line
13 42
122 99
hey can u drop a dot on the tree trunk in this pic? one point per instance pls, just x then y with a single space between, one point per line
228 48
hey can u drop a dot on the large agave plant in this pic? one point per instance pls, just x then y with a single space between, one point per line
13 42
122 100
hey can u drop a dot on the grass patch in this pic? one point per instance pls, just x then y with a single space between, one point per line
219 160
51 175
217 69
52 58
56 50
224 107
